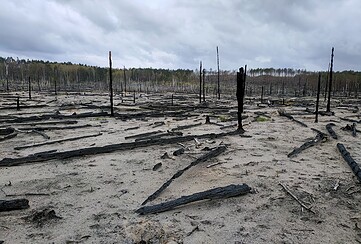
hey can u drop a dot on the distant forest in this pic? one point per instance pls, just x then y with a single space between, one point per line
66 77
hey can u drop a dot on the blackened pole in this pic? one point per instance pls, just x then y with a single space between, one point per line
200 81
125 81
318 96
218 90
111 84
204 91
330 84
29 89
240 96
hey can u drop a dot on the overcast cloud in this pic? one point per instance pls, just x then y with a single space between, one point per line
179 33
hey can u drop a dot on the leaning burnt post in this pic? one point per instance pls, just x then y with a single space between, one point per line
111 84
240 96
29 89
330 84
200 81
318 96
55 88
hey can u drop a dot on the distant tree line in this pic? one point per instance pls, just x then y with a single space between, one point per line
66 76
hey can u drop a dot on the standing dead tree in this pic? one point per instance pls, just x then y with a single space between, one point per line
240 97
218 76
330 84
318 96
200 81
111 84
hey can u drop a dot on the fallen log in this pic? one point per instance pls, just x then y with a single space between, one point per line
215 152
54 128
350 161
57 141
319 138
283 113
16 204
143 134
216 193
331 131
160 135
40 157
53 116
351 128
183 127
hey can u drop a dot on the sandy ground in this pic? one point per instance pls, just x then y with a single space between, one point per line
96 196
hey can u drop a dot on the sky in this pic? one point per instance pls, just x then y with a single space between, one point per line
174 34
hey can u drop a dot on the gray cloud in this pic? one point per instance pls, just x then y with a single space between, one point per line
180 33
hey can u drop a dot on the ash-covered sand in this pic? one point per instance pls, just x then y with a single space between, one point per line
95 197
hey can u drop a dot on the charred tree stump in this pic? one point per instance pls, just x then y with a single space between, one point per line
319 138
215 152
318 96
16 204
330 84
216 193
350 161
240 97
111 84
331 131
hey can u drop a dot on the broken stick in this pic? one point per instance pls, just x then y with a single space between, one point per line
294 197
216 193
215 152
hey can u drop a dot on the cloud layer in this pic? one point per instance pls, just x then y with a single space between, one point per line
179 33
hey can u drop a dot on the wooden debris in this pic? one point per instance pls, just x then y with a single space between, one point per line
45 156
7 133
294 197
216 193
142 134
351 128
319 138
331 131
132 128
203 158
214 164
157 166
57 141
283 113
54 128
350 161
16 204
183 127
160 135
336 186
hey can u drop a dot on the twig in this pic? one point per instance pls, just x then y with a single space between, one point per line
214 164
294 197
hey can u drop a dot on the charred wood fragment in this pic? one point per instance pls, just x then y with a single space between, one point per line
16 204
283 113
319 138
331 131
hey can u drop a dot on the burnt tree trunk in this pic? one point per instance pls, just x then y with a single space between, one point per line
16 204
330 85
240 96
318 96
200 81
111 84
